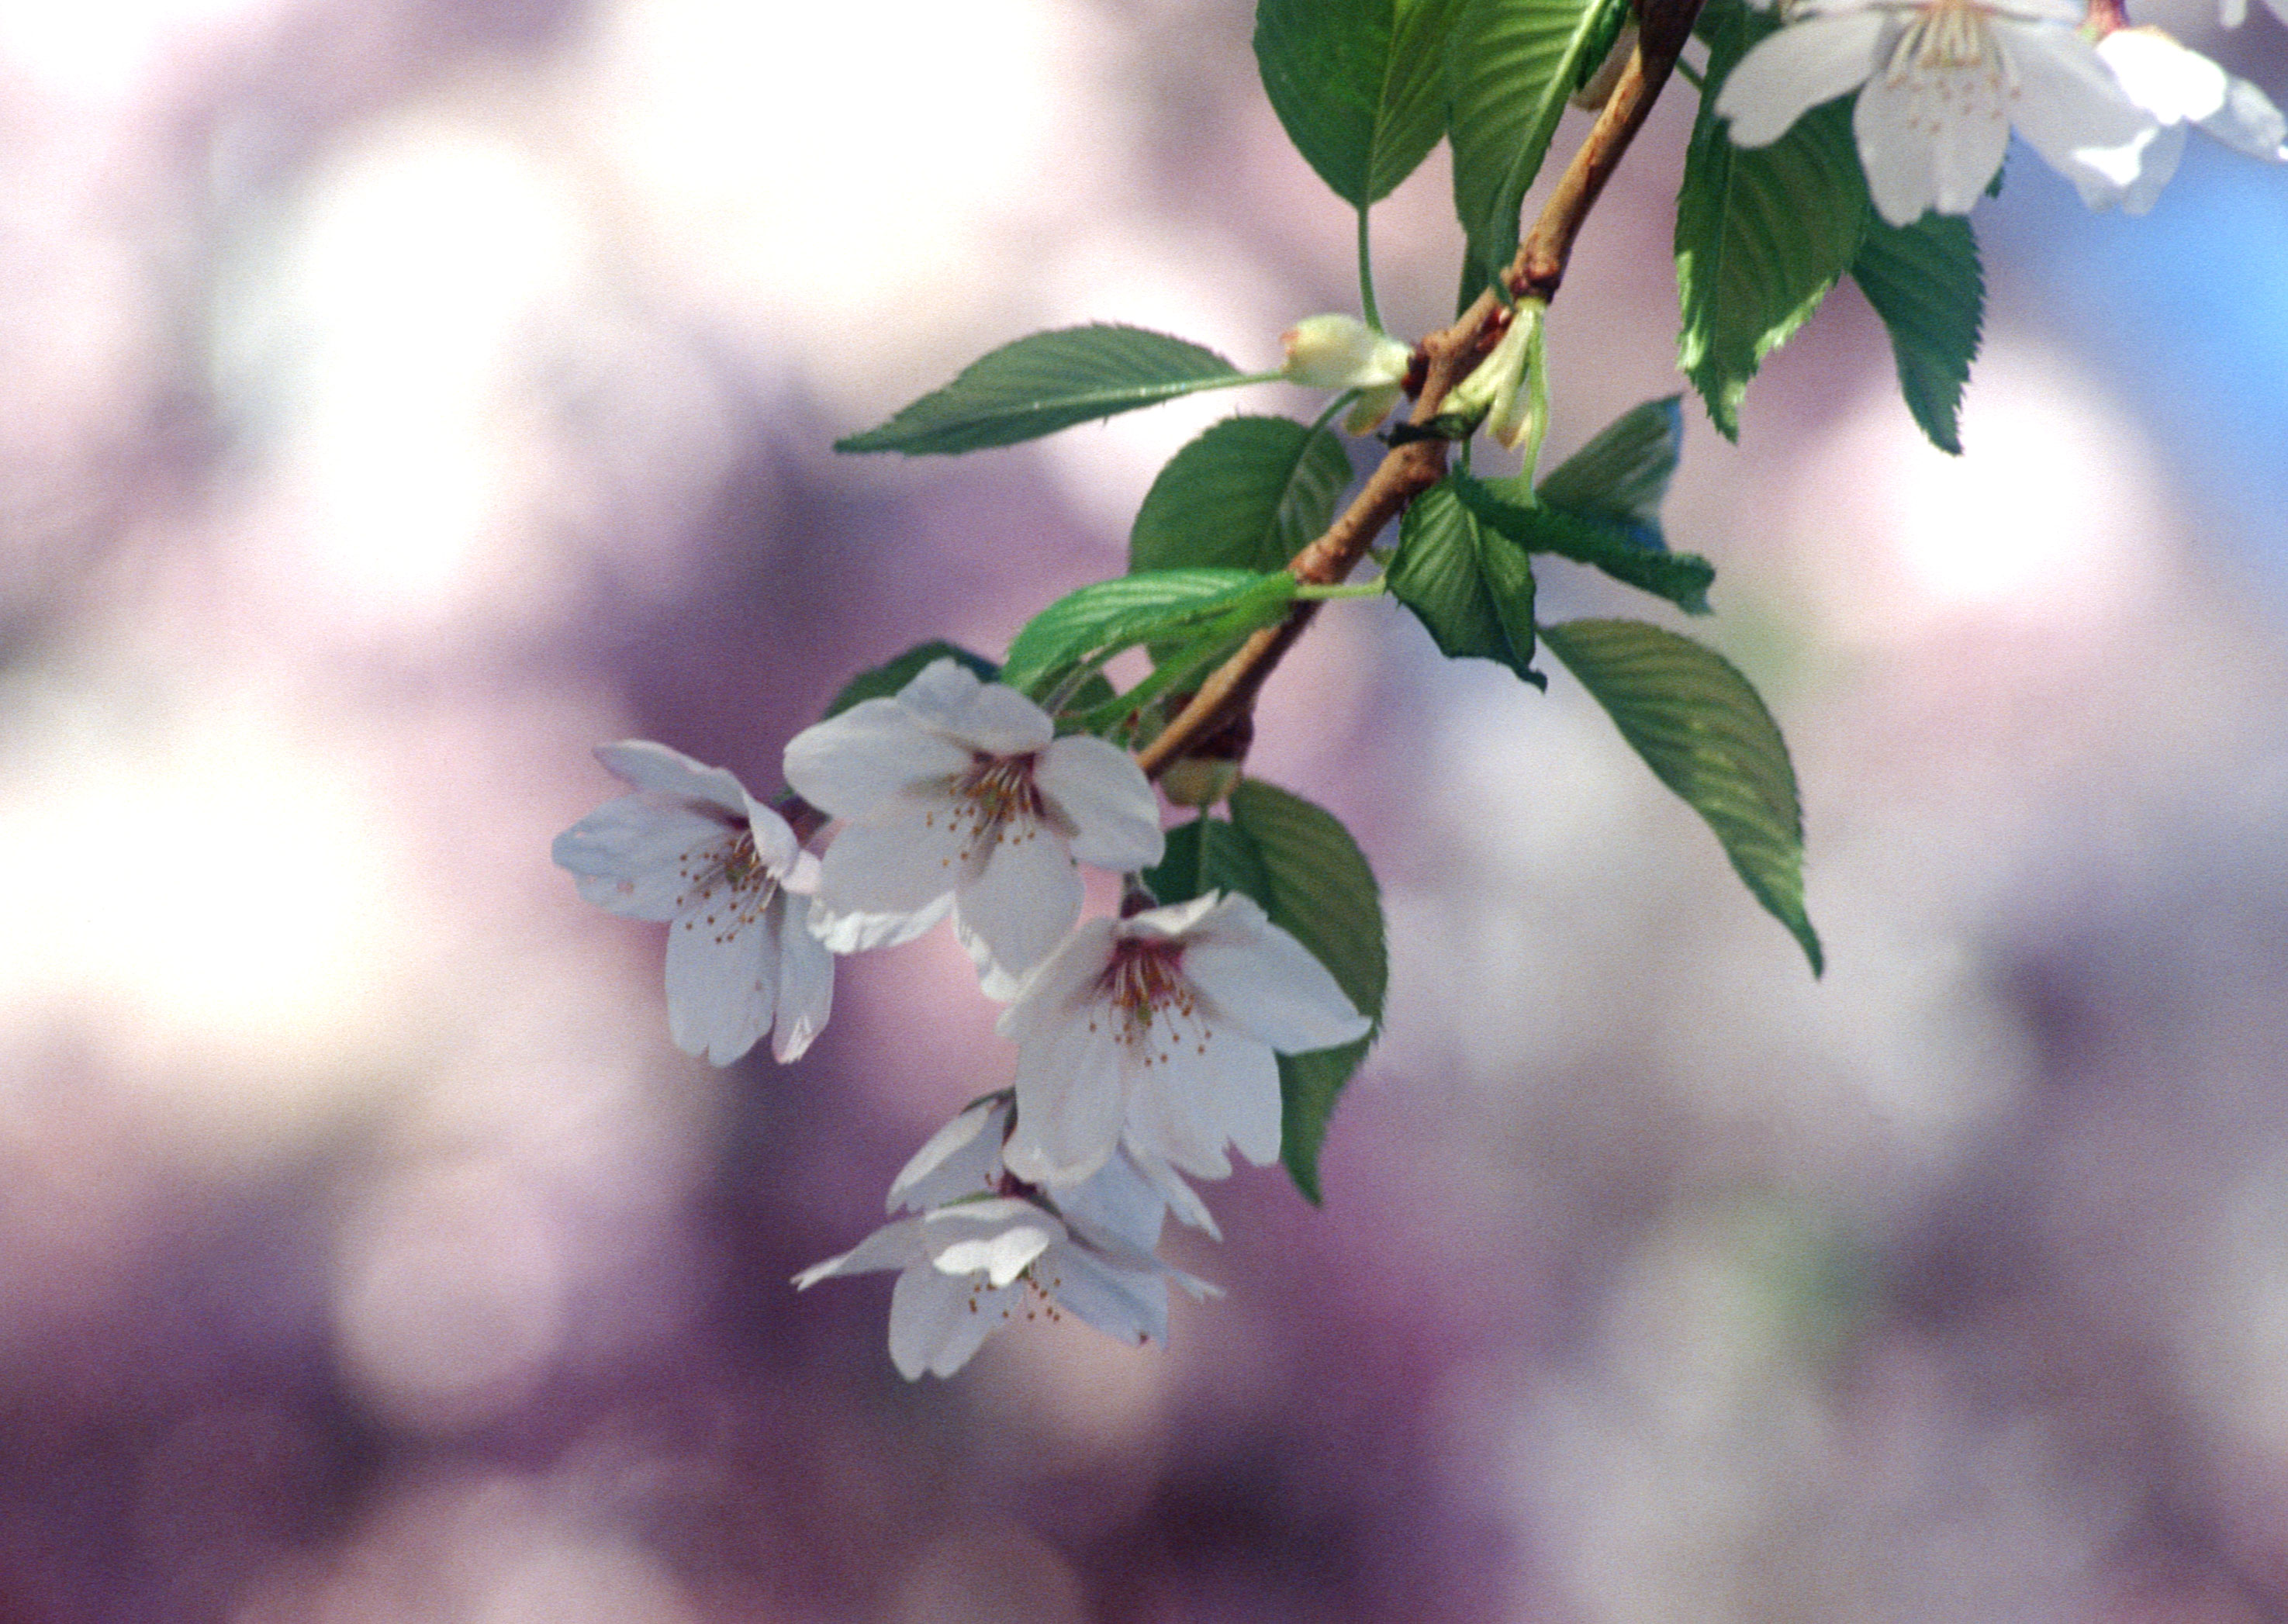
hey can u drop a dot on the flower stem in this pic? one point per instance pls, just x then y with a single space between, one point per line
1358 589
1409 469
1366 275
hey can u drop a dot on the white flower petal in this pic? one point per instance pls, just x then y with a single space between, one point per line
2160 162
872 754
1274 990
860 932
893 1246
1175 919
959 1160
1013 1234
2069 106
1127 1303
2249 123
722 977
1229 1086
937 1321
1183 1201
896 868
948 699
1118 1205
1794 70
1000 721
940 694
776 846
1069 1097
1103 795
1061 984
806 990
1163 1121
653 766
2168 81
634 856
1001 986
1026 899
1929 140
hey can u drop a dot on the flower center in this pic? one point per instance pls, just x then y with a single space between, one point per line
998 787
1947 35
726 886
1146 986
997 799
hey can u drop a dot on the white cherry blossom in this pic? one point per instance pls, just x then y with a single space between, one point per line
2179 87
984 1248
1944 83
1157 1031
691 848
957 792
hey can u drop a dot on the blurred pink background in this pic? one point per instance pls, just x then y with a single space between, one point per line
402 396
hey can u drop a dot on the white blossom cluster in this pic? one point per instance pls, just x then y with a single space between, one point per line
1145 1044
1943 83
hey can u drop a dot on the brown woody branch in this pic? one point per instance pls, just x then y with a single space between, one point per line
1408 470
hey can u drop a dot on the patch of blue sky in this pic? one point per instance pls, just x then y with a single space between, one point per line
2184 313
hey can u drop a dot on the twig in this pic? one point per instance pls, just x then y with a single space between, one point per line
1408 470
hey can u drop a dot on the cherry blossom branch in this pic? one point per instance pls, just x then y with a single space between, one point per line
1447 357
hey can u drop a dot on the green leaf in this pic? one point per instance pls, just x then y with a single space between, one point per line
1624 472
1705 734
1249 494
1086 626
1924 281
1048 382
1324 894
885 680
1761 232
1209 854
1412 115
1510 65
1613 545
1357 83
1471 587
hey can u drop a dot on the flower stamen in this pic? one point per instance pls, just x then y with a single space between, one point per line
999 799
1144 981
733 865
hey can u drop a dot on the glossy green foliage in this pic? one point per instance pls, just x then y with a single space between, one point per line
1359 85
1048 382
1706 733
1761 232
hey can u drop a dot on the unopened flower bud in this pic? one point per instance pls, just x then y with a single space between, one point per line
1493 381
1199 781
1210 770
1342 352
1372 406
1591 97
1500 391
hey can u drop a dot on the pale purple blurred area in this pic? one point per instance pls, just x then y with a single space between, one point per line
402 396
